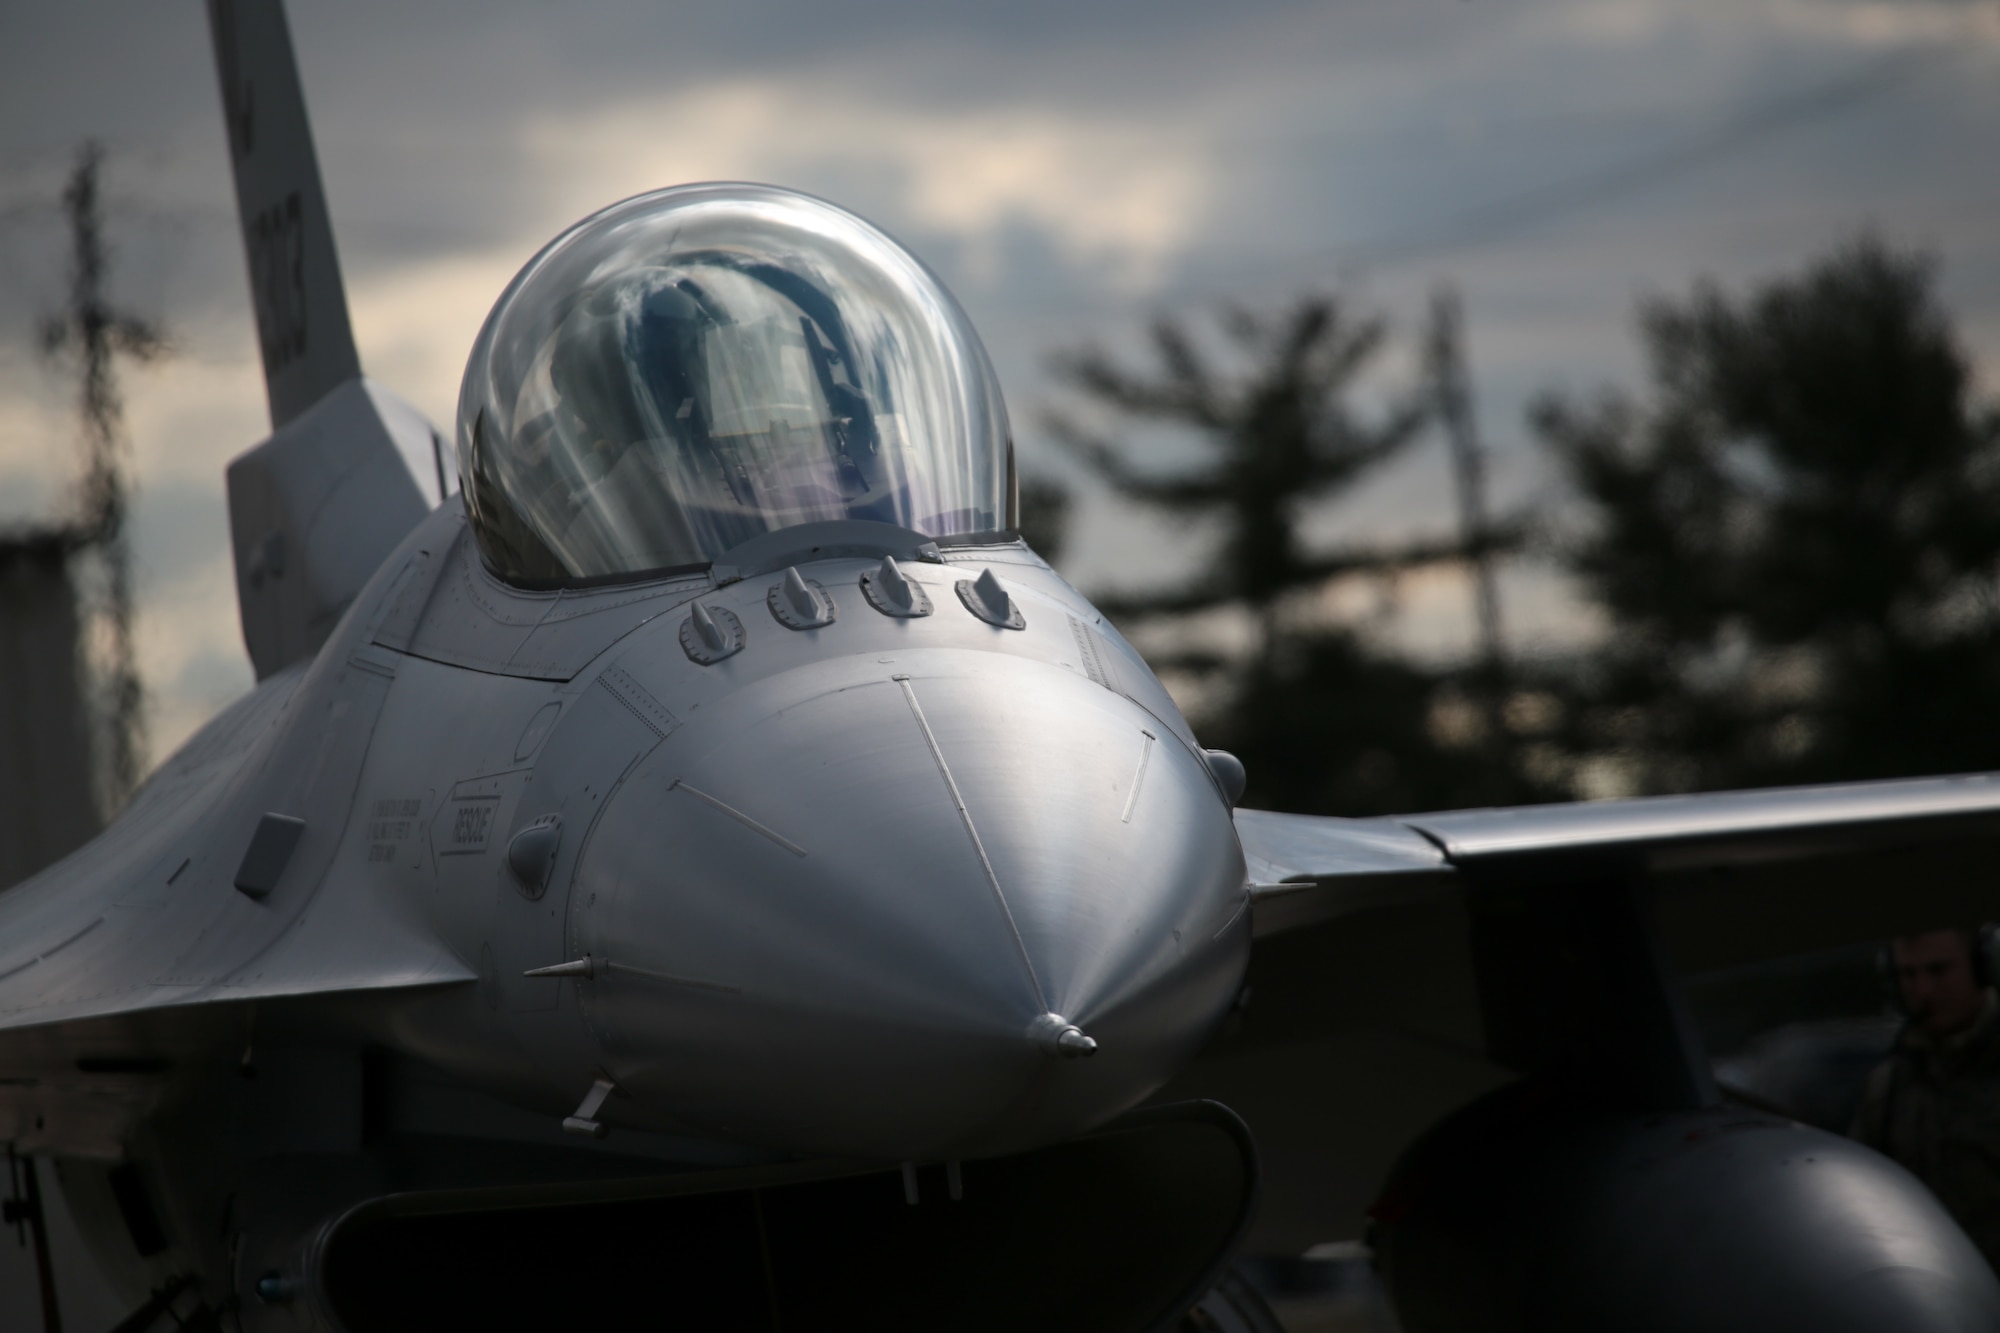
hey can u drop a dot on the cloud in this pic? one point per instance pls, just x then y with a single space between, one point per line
415 323
1888 23
1070 171
1116 196
1859 24
190 648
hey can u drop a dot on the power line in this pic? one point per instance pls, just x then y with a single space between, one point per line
1509 216
1513 214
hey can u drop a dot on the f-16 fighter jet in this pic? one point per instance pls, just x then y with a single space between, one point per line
687 863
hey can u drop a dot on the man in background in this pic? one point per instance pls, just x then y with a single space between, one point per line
1934 1104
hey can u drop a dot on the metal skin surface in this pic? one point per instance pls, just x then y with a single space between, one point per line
1668 831
867 999
828 885
873 991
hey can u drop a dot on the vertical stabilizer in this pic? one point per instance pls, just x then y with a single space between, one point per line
302 326
349 468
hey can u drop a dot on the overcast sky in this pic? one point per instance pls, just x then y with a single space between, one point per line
1070 170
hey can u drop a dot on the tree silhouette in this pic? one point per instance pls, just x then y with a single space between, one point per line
1278 436
1322 720
1796 540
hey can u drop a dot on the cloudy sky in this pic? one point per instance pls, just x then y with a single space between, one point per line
1070 169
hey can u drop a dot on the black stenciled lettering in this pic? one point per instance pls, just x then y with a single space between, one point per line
468 827
278 279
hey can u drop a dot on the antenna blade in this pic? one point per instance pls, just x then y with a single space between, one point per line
302 326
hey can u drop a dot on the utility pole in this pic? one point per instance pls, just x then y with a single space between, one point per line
1451 384
93 333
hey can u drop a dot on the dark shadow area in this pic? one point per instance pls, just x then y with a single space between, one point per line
1128 1227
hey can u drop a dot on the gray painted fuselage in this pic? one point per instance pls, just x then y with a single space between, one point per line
824 890
826 886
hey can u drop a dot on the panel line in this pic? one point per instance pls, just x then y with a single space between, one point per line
738 816
1138 778
53 950
972 831
613 965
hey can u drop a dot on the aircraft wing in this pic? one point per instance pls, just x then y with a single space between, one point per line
1363 1022
1738 875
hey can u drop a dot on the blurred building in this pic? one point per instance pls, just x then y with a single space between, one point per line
48 799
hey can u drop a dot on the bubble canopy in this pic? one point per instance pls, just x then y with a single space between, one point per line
695 367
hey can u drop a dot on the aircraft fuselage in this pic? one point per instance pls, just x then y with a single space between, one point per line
840 891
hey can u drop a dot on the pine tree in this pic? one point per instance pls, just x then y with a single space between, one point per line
1795 540
1323 720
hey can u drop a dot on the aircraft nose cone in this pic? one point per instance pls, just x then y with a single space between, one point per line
946 908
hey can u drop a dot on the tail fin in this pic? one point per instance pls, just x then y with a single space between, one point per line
302 324
349 468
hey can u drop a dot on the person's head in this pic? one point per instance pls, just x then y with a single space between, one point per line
1938 982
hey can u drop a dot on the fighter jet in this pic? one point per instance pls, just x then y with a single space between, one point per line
686 862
